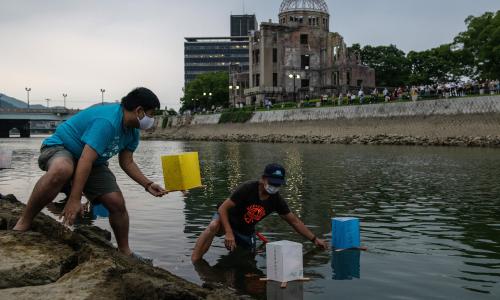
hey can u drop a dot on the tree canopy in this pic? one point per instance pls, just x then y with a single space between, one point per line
197 92
474 53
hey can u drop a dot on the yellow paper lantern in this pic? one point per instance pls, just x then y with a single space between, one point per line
181 172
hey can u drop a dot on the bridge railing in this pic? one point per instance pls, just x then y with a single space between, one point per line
39 111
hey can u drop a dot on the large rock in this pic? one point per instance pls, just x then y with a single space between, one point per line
52 262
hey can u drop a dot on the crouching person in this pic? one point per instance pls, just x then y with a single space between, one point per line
76 157
251 202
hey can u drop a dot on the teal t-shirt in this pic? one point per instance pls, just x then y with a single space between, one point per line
100 127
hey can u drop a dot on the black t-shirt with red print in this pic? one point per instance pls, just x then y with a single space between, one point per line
250 209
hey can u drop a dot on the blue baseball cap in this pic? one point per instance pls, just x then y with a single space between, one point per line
275 174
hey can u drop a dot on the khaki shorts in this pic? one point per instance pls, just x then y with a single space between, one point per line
101 180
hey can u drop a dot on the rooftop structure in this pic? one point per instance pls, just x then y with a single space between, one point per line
304 5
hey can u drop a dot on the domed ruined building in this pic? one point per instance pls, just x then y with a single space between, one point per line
299 58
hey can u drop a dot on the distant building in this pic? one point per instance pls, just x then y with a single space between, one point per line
243 25
299 58
214 54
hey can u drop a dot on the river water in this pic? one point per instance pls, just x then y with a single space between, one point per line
430 216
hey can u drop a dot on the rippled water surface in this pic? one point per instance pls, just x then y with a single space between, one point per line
430 216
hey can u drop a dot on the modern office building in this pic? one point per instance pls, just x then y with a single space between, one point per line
216 54
213 54
243 25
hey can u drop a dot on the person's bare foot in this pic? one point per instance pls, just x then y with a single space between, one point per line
21 226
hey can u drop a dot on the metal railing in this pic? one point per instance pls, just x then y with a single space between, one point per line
39 111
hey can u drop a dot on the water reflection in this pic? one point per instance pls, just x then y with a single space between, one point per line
293 291
294 180
237 269
346 264
430 216
233 159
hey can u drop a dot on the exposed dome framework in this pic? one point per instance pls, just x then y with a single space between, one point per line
301 5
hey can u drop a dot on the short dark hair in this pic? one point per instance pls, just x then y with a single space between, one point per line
140 96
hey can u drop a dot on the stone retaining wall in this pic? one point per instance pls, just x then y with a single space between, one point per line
490 104
453 122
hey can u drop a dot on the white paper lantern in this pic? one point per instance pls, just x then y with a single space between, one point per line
5 159
284 261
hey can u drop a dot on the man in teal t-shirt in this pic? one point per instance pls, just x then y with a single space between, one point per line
77 155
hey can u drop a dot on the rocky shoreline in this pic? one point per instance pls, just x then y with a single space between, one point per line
466 130
53 262
460 141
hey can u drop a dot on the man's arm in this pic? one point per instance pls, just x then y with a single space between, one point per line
83 168
299 227
229 241
128 165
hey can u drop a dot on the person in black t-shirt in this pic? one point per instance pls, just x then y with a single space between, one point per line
249 204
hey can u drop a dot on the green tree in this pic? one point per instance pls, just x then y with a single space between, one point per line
215 83
481 45
441 64
390 63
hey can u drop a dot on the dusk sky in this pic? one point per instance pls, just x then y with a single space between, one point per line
79 47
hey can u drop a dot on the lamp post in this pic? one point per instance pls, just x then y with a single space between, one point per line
64 96
28 90
209 94
48 100
294 77
235 89
102 96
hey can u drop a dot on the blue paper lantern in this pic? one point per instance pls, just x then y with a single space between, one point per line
345 233
99 210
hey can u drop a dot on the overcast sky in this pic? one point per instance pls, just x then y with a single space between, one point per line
79 47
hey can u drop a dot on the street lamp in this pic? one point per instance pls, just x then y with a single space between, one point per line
48 100
236 90
102 96
294 77
205 94
64 96
28 90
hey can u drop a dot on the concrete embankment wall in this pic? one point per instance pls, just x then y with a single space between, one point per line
466 121
385 110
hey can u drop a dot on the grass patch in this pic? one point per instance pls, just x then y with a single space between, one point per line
239 116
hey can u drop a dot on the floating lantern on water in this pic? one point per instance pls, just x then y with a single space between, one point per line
5 159
99 211
284 261
345 233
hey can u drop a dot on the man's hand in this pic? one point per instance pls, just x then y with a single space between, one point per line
72 209
229 241
321 244
156 190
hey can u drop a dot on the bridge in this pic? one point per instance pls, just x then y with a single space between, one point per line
11 118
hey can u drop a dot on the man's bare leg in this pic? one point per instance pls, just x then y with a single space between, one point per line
205 240
118 219
46 189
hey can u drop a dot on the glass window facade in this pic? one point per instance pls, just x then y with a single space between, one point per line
204 55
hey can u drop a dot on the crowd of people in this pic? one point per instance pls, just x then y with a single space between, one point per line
416 92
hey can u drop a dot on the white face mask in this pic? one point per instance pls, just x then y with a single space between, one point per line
271 190
146 122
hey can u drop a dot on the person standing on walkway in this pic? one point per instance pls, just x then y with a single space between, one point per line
76 158
249 204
